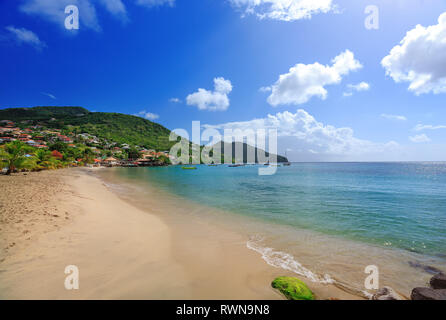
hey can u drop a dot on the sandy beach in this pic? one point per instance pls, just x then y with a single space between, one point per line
53 219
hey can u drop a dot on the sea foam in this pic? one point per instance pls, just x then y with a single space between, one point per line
285 261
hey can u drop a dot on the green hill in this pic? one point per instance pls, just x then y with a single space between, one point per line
247 149
116 127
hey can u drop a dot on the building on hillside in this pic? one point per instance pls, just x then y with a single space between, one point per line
144 162
31 142
6 123
110 162
24 135
147 156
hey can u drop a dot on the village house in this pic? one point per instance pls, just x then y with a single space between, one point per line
7 139
64 138
24 135
110 162
31 142
7 123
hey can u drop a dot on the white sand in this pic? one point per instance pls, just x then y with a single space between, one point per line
125 253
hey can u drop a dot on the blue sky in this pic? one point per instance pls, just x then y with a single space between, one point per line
262 65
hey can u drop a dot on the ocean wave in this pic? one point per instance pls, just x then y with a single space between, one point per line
285 261
280 259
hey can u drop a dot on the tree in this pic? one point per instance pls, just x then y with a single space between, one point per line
88 155
59 146
44 159
13 155
133 153
42 155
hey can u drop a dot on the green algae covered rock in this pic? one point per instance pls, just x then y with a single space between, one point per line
293 288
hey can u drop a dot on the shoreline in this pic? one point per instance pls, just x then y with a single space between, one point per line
307 254
123 252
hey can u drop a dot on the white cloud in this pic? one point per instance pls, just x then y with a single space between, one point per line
49 95
421 127
393 117
304 81
419 138
216 100
362 86
54 11
155 3
147 115
174 100
307 139
116 7
22 35
265 89
285 10
420 59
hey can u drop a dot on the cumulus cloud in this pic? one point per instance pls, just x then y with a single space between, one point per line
393 117
421 127
304 81
362 86
308 139
420 138
24 36
147 115
216 100
420 59
285 10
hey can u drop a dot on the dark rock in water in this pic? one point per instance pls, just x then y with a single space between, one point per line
387 293
428 294
438 281
426 268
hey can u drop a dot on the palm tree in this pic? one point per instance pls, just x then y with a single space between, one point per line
13 156
42 155
88 155
44 159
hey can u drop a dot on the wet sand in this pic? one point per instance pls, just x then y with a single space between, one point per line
121 250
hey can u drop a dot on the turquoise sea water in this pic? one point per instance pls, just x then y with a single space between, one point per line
399 205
